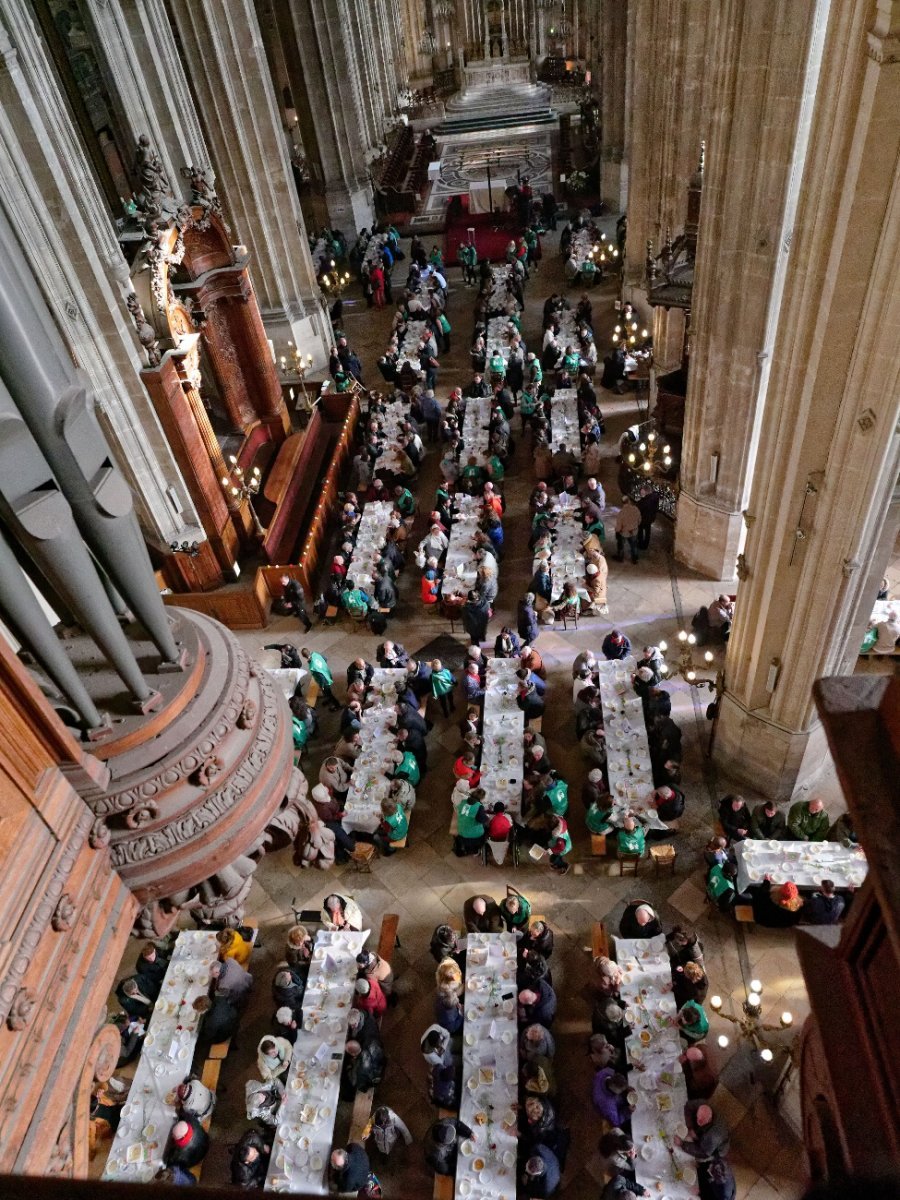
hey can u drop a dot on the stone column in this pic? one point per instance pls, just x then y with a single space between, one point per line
829 450
61 221
323 73
670 47
223 49
613 26
756 149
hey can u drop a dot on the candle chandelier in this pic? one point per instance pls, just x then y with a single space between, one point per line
650 455
242 487
749 1024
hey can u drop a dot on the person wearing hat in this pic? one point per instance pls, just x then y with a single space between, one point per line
442 1144
669 803
808 821
369 997
375 967
188 1144
542 1174
596 575
250 1160
194 1099
707 1137
639 921
350 1168
768 823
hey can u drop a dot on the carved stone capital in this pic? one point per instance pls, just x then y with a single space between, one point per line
63 914
21 1009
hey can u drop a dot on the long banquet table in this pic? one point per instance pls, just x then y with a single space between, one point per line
371 536
305 1128
503 725
486 1166
476 434
656 1076
627 752
137 1150
565 428
460 567
369 782
567 556
803 863
395 413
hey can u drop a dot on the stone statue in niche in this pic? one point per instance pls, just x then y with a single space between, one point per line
152 182
203 188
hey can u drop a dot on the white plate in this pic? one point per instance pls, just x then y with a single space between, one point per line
465 1187
689 1175
681 1130
646 1151
467 1148
317 1162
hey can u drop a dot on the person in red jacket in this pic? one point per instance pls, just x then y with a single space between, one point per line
370 997
500 825
464 768
430 585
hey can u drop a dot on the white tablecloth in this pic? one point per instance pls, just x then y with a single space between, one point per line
655 1074
502 728
371 536
486 1166
475 431
369 783
287 678
396 412
567 557
564 424
803 863
627 753
460 568
305 1127
409 346
137 1150
497 338
499 295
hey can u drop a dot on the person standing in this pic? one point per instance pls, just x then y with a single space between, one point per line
293 601
648 506
442 685
628 523
321 673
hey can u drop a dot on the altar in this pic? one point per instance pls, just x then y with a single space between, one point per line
490 72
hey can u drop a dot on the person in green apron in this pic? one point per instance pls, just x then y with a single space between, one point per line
558 796
516 911
693 1024
405 501
355 600
630 839
720 888
321 673
597 818
570 361
394 826
497 365
471 823
407 768
527 406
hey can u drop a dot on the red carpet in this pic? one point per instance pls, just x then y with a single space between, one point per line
492 233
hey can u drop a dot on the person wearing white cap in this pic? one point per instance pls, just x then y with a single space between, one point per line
639 920
595 581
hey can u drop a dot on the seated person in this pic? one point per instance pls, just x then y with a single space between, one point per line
442 1144
720 887
692 1022
767 823
500 825
776 905
639 920
823 907
250 1160
608 1095
516 911
808 821
188 1144
669 803
630 840
481 914
735 817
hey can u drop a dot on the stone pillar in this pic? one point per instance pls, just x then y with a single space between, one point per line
324 77
613 25
670 47
223 49
756 149
829 449
61 221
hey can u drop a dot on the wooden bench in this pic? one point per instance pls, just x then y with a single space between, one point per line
444 1185
312 694
599 940
744 913
399 845
362 1102
598 844
331 614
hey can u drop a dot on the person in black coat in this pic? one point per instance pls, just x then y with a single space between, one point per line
526 619
293 601
220 1019
639 920
475 617
250 1160
150 970
350 1168
735 817
418 680
134 1001
442 1144
824 907
539 938
288 988
188 1144
363 1067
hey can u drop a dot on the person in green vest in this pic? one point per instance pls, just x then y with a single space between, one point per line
355 600
559 846
516 319
527 406
466 257
407 767
319 669
341 380
533 371
436 259
630 839
405 501
442 685
446 329
472 477
597 818
588 271
496 469
300 733
808 821
394 826
557 794
497 364
516 911
471 824
692 1021
570 361
720 888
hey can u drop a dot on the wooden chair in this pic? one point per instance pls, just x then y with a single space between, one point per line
569 612
663 856
362 856
630 860
598 845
